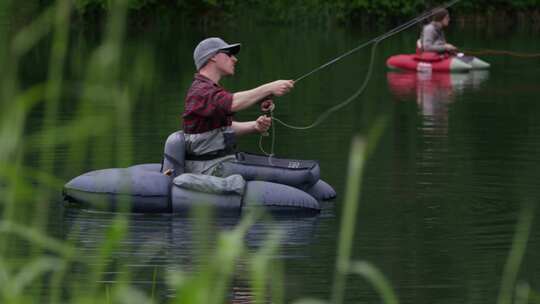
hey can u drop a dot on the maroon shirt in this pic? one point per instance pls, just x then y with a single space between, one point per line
207 106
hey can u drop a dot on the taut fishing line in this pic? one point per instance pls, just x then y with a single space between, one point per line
375 41
404 26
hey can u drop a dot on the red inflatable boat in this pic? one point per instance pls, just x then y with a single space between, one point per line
434 62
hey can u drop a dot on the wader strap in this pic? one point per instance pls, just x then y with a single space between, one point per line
211 156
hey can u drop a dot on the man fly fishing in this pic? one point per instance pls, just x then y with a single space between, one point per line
208 123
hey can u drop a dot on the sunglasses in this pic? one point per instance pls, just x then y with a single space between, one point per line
226 52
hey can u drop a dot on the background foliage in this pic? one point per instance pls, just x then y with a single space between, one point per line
329 10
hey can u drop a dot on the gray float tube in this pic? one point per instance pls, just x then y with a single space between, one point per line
144 188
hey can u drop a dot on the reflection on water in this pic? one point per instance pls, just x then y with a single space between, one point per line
434 94
453 190
159 243
434 91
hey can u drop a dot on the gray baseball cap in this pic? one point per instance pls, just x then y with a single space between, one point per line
209 47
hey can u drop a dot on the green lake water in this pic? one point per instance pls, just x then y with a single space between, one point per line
442 191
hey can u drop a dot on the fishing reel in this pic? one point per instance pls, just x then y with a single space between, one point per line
267 107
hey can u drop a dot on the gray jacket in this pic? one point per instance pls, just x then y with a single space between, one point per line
433 39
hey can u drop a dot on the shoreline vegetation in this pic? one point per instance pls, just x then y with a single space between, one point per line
205 13
312 13
320 12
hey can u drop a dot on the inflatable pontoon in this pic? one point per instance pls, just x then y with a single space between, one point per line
250 181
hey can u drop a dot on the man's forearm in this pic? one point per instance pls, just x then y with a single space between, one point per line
245 99
242 128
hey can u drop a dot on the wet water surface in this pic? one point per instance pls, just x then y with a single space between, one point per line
441 193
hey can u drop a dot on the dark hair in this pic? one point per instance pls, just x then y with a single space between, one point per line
439 14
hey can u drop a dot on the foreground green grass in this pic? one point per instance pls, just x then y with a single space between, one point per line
104 106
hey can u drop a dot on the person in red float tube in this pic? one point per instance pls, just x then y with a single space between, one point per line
432 39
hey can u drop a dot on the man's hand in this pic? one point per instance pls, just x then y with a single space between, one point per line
280 87
263 123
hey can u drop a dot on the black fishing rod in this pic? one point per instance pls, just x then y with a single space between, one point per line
375 41
425 15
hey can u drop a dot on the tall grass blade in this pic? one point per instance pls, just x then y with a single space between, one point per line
360 151
310 301
4 272
29 36
352 194
154 281
377 279
533 297
114 236
523 292
37 238
513 263
230 248
210 283
262 270
130 295
31 272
